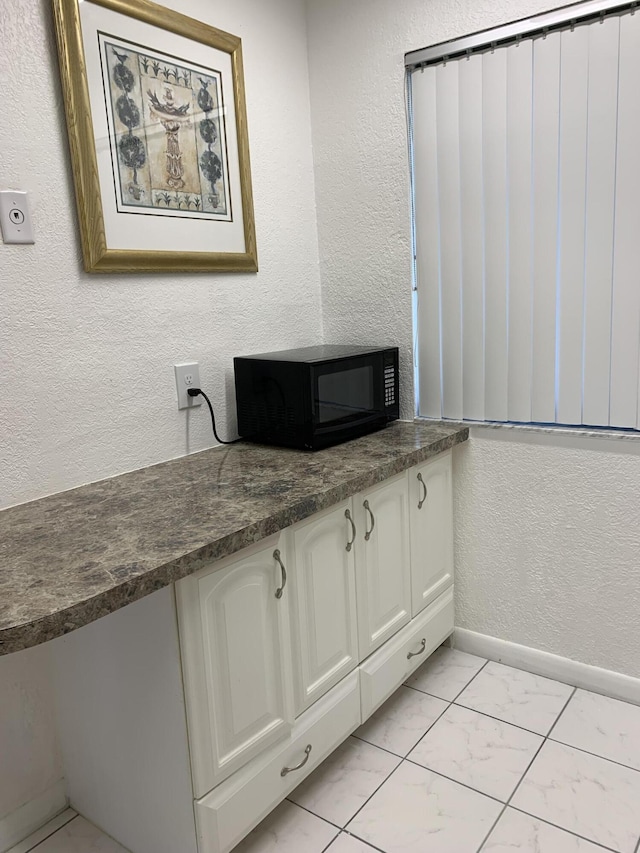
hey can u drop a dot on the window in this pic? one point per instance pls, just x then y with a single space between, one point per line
526 178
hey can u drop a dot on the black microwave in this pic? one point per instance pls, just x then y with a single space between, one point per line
313 397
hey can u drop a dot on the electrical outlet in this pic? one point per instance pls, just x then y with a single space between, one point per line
187 376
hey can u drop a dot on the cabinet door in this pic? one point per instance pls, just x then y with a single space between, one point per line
324 630
383 565
431 530
235 637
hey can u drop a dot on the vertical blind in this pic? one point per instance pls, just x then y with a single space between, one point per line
526 178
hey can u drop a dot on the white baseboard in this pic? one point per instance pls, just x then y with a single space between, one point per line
32 815
593 678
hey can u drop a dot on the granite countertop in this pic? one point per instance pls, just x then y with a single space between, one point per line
68 559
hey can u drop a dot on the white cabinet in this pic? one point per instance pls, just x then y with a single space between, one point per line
323 603
287 646
431 530
234 628
383 562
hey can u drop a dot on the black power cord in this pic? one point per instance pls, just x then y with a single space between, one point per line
198 392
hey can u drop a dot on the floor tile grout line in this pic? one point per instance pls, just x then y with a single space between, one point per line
473 677
357 837
563 828
57 829
304 808
499 719
431 725
335 838
455 781
549 736
364 841
564 708
528 767
594 755
383 748
491 828
386 779
424 693
450 703
506 805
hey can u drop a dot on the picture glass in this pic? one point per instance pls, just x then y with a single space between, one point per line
158 136
167 133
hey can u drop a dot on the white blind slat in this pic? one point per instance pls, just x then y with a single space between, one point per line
494 149
450 243
519 116
472 221
546 113
601 164
625 326
572 196
427 240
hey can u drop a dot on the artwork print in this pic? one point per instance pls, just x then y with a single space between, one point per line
167 133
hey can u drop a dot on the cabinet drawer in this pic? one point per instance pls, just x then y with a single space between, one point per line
232 809
385 670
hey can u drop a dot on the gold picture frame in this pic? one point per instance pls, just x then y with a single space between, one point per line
156 117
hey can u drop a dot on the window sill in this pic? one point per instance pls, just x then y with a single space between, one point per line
624 441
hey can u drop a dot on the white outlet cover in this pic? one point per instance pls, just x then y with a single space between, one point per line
15 217
187 376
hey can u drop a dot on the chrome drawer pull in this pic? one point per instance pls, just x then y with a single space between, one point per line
423 646
347 515
307 753
424 486
367 535
280 590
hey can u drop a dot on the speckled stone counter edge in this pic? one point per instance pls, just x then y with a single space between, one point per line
87 610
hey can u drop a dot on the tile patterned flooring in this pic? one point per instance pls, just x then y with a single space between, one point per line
468 756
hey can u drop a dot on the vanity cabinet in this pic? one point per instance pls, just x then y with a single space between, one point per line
323 602
383 562
290 645
430 498
213 697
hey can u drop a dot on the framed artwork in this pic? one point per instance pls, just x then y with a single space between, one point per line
158 135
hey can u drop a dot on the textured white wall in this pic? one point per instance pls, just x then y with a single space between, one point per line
86 362
547 537
548 545
29 757
356 62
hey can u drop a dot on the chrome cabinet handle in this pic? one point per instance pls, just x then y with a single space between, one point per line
424 486
277 558
368 533
347 515
307 753
423 646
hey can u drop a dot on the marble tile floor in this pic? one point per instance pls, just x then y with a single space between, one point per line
468 756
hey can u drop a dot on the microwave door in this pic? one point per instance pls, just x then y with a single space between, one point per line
347 395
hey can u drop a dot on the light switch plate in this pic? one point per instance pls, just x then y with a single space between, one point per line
15 218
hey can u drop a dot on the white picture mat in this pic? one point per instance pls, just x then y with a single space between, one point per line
154 233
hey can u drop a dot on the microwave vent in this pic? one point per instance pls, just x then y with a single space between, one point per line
266 418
